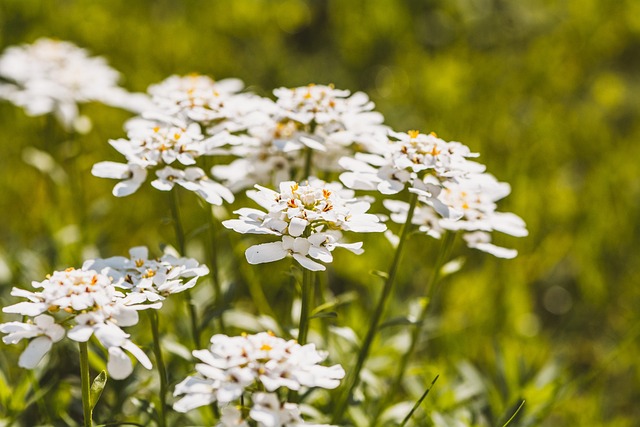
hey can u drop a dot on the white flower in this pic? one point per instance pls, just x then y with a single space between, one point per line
156 144
321 118
231 417
52 76
308 218
133 176
43 329
193 179
419 161
91 301
268 411
198 97
152 279
232 364
474 197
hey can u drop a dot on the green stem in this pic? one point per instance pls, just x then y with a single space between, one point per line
35 385
86 383
162 372
177 223
377 315
419 402
307 163
307 295
213 260
191 308
443 255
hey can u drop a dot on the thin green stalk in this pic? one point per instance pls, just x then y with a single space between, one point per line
307 296
354 379
307 163
35 385
191 308
443 255
177 223
213 260
419 402
162 372
86 384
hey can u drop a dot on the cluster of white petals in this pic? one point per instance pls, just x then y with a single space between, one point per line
51 76
266 411
233 365
475 197
411 160
87 299
308 218
321 118
156 144
144 279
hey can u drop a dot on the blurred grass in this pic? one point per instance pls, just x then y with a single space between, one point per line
547 92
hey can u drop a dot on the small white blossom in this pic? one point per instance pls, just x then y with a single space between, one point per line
152 279
88 299
233 364
44 332
329 121
308 218
475 197
418 161
51 76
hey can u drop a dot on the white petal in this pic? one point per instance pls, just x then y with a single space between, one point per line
193 401
80 333
266 252
119 364
308 264
138 354
297 226
34 352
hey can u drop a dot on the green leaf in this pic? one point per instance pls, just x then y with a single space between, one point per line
96 388
398 321
514 415
380 274
325 314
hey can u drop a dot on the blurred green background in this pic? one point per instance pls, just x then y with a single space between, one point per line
547 91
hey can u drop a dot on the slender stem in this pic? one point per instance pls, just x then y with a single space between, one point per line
307 295
35 385
419 402
443 255
191 308
307 163
162 372
213 260
354 379
86 383
177 223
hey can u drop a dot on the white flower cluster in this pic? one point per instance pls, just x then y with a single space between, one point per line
474 196
51 76
233 366
98 299
454 193
316 117
308 218
188 118
88 299
145 279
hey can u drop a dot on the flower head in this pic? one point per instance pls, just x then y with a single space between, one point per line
94 305
309 218
52 76
233 364
474 197
151 279
329 121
